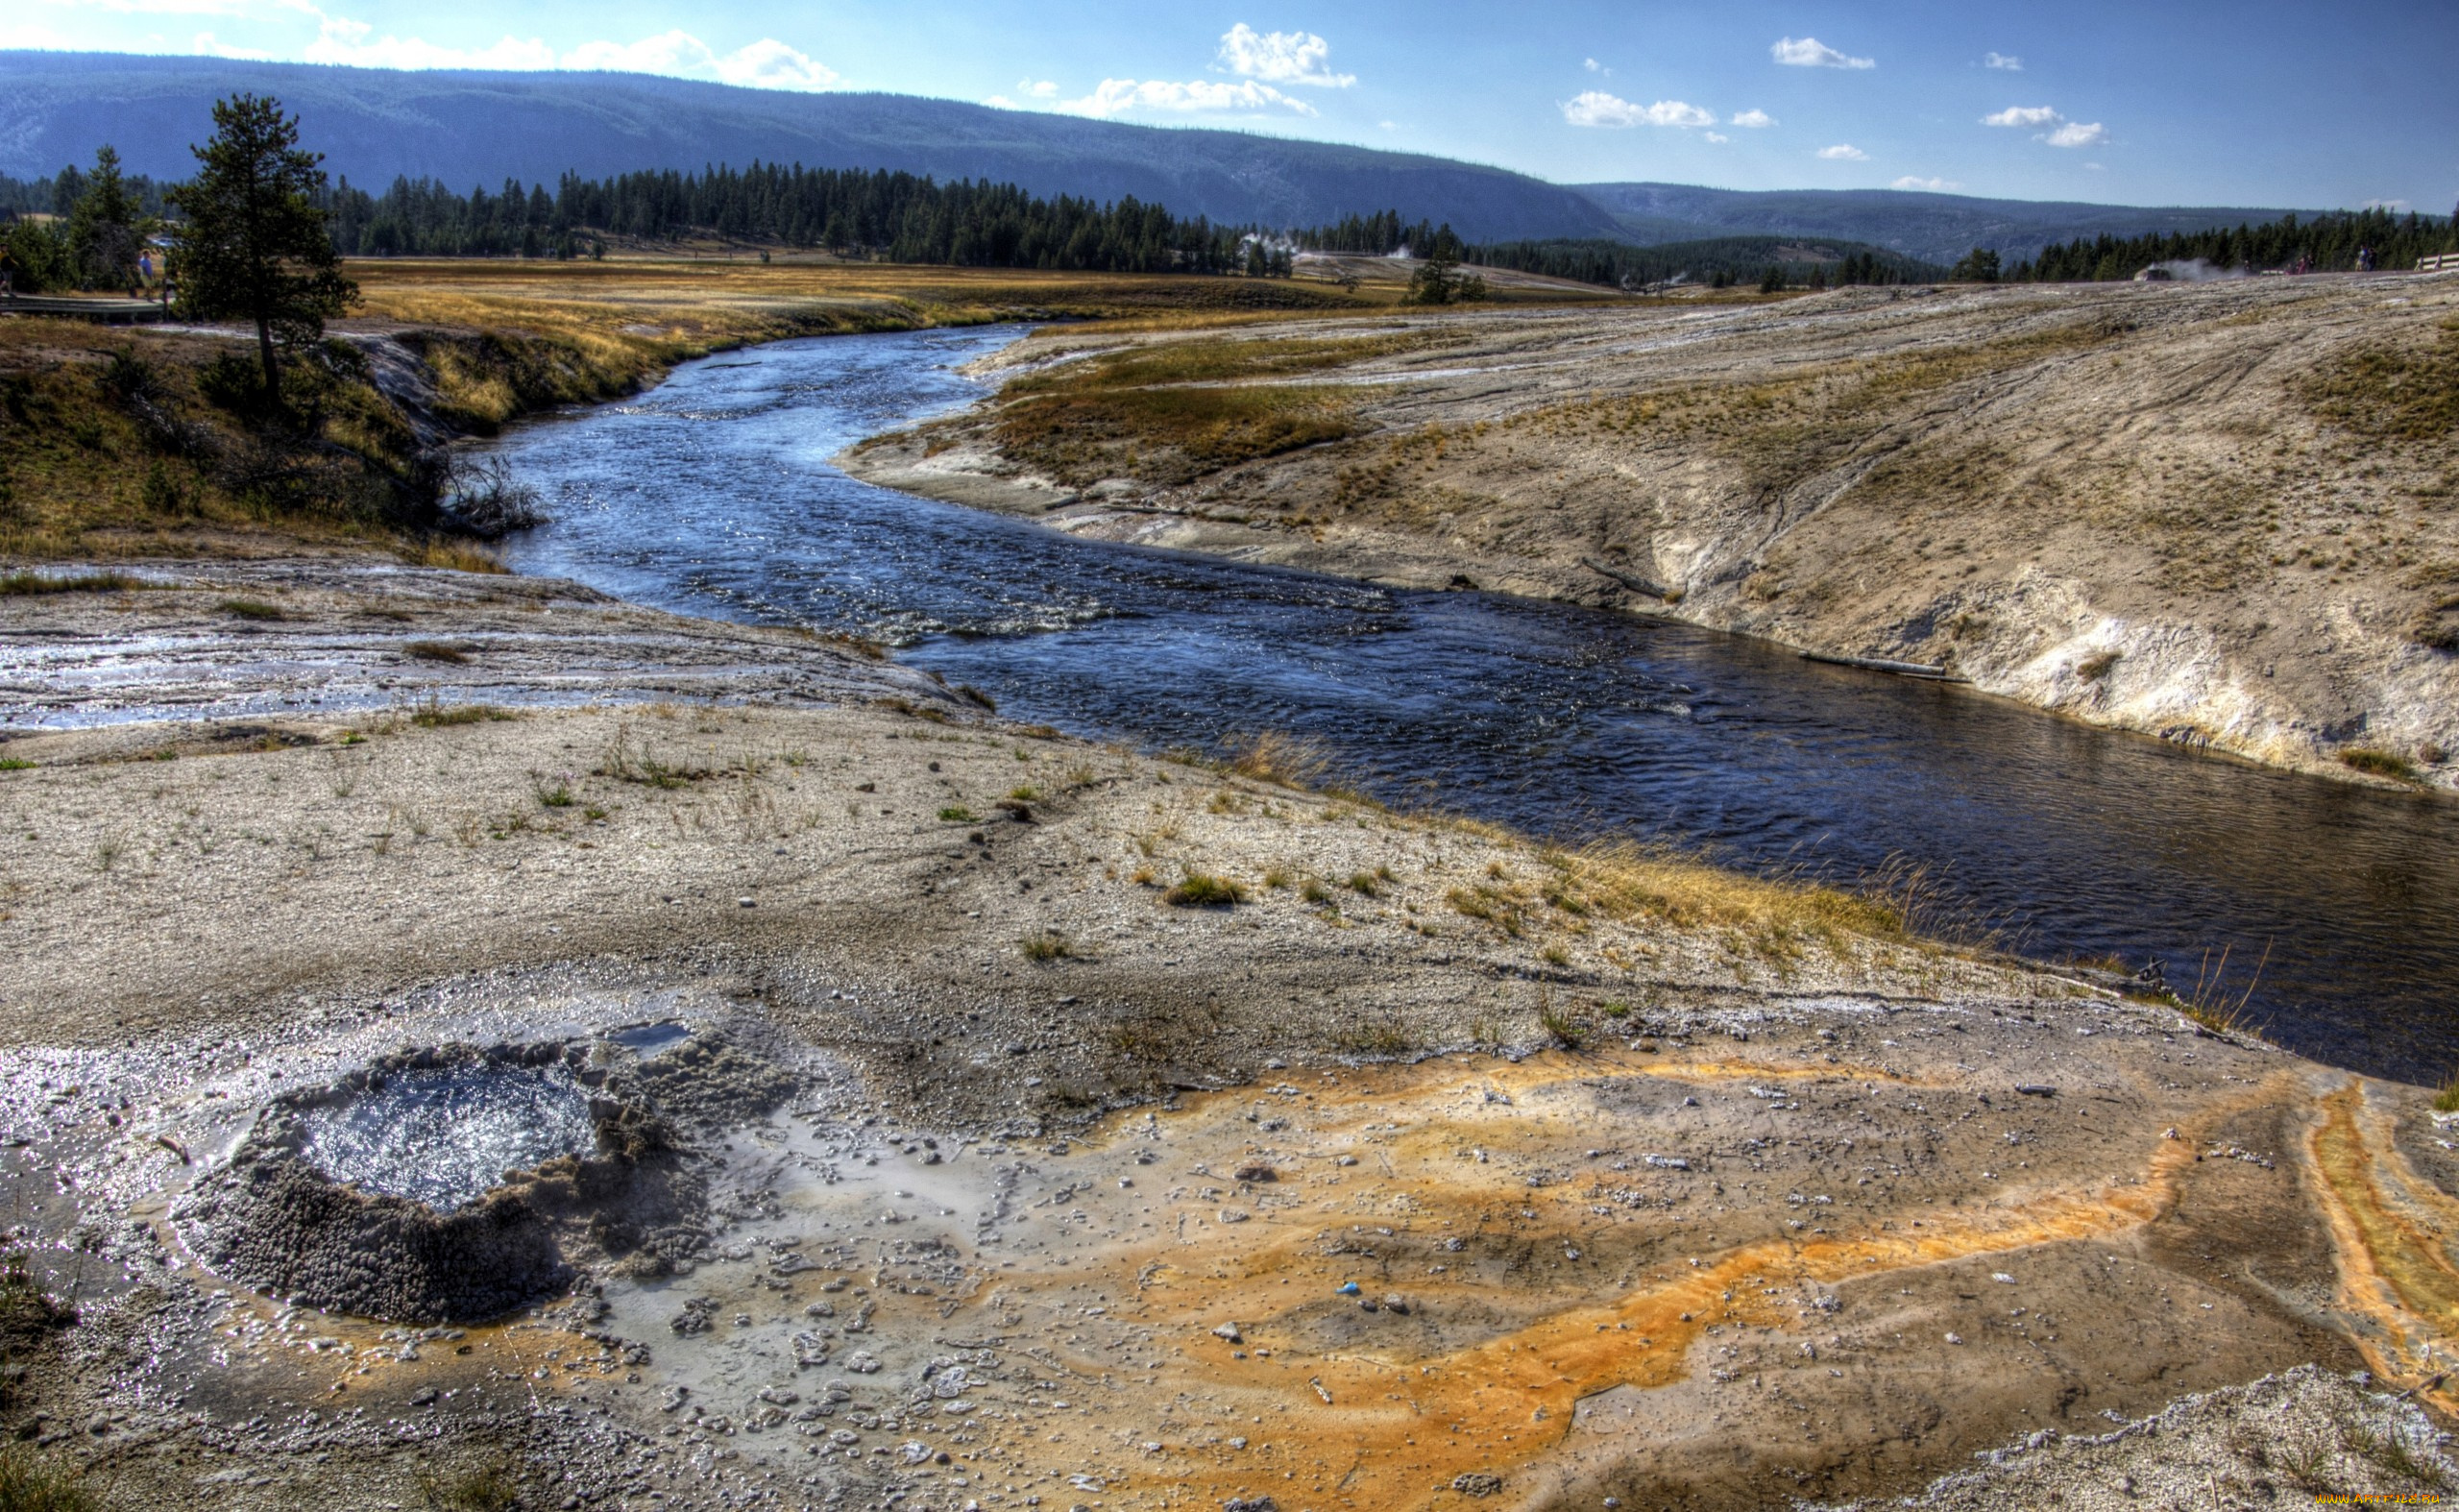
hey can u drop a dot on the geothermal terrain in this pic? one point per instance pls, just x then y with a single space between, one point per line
471 1064
2219 513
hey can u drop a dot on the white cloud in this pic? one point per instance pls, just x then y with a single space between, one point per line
2393 205
1594 66
763 64
1719 137
208 46
37 38
353 44
1928 186
1117 96
1754 119
1037 88
1811 53
1597 107
2067 133
1844 152
2014 65
1280 58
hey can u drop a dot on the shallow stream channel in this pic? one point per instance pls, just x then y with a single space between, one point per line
712 494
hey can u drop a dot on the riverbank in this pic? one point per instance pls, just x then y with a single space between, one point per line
2218 514
151 445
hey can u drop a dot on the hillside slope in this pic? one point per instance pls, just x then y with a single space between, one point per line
469 128
1939 227
2227 514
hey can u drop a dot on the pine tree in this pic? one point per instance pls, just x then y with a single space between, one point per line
104 228
254 244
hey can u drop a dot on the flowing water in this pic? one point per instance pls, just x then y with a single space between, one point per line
712 494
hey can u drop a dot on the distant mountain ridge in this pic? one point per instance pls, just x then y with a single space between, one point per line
469 128
1937 228
477 128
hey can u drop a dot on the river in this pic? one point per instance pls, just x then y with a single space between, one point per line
712 494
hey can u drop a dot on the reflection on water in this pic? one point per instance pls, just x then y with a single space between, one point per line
444 1136
712 496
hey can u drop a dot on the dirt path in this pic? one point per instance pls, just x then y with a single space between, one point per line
2217 513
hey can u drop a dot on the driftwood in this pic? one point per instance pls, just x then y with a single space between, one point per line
1880 664
1637 585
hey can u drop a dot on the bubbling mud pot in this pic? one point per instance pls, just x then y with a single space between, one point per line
455 1185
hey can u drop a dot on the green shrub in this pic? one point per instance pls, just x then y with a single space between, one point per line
2378 763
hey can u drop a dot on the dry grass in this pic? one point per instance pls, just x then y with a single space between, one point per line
2386 394
1290 761
31 1481
1171 411
2214 1005
626 318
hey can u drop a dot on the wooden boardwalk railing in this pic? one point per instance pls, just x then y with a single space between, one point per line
75 306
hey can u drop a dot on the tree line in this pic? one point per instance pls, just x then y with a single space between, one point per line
1771 263
889 215
2325 243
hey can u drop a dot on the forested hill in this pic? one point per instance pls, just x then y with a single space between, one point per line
1934 228
465 128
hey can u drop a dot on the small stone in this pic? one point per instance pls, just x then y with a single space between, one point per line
1393 1303
1476 1483
1955 1338
1230 1331
743 903
1232 1215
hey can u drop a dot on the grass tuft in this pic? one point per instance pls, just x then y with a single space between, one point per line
435 651
31 1481
2380 764
251 609
1275 757
2210 1003
471 1488
1048 945
1203 890
437 715
956 813
14 584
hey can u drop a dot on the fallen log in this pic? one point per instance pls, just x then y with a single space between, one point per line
1880 664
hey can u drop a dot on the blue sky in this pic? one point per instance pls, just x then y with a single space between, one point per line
2249 103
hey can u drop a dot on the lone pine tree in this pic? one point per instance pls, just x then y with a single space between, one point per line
252 242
